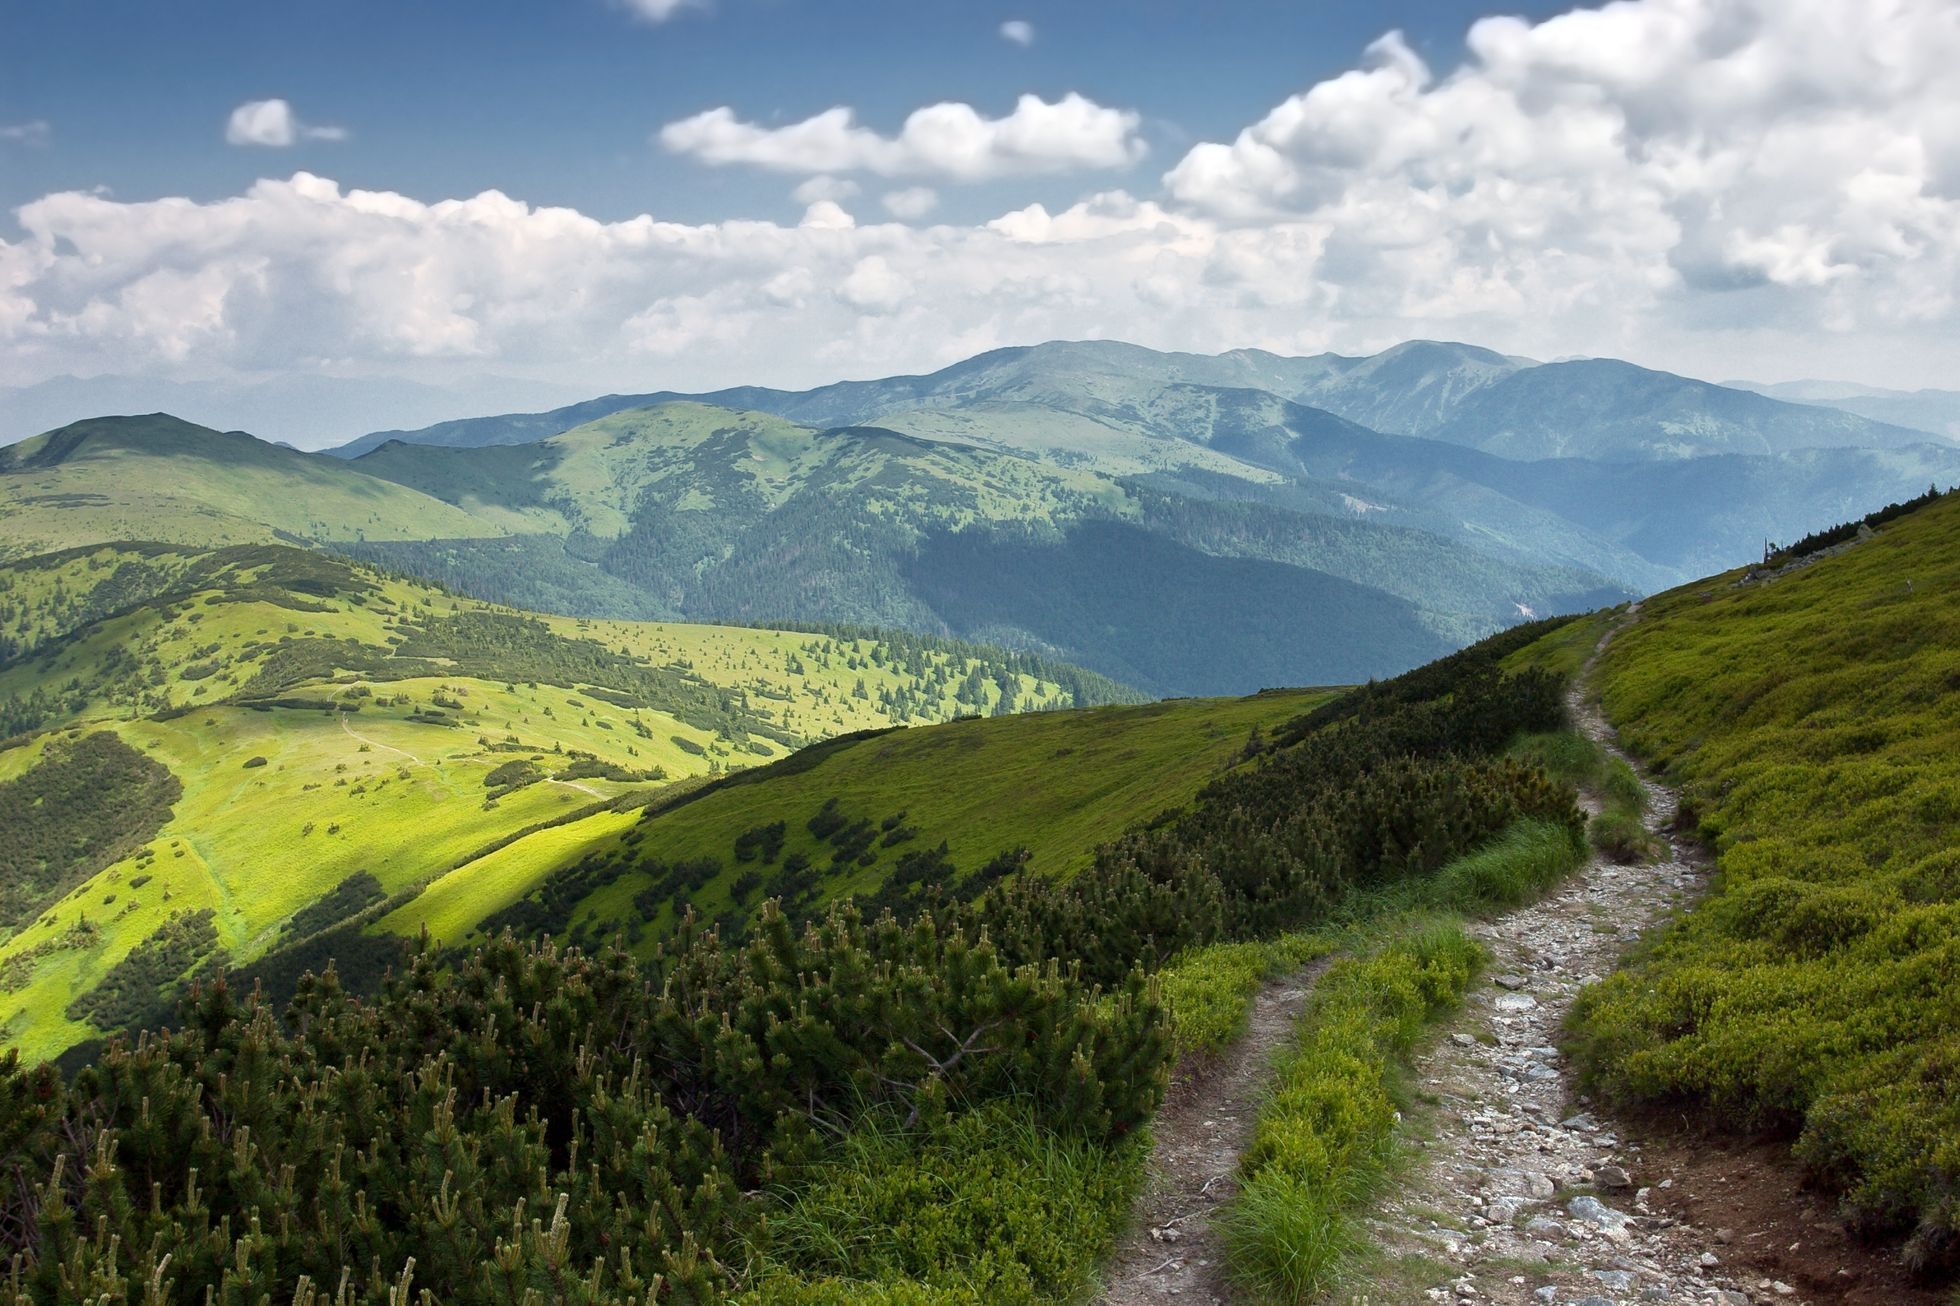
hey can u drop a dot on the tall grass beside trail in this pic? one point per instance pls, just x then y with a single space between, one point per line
1618 830
1324 1139
1208 991
986 1206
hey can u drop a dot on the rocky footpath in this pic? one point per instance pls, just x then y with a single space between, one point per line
1520 1194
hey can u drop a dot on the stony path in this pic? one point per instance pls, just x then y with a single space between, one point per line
1520 1195
1173 1252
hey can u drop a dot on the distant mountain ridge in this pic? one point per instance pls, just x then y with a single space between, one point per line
1185 523
1933 411
1460 393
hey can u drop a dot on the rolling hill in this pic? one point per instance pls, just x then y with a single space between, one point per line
1461 393
292 739
159 478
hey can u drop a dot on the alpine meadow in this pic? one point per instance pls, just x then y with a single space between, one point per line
670 652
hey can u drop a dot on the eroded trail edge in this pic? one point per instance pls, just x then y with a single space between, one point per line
1206 1121
1520 1195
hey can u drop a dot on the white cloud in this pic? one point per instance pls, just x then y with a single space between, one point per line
36 132
1726 164
272 123
1019 31
659 11
837 189
912 203
1722 187
827 215
952 141
874 286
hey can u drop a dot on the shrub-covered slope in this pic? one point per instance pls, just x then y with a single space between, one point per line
849 815
535 1123
1812 717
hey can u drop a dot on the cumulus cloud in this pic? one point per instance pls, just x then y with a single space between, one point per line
35 132
952 141
912 203
836 189
1019 31
272 123
1723 187
1747 162
659 11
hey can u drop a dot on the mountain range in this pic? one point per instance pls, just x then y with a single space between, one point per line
1182 523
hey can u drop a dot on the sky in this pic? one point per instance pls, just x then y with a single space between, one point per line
591 195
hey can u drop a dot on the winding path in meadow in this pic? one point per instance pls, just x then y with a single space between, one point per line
1525 1193
375 743
1205 1124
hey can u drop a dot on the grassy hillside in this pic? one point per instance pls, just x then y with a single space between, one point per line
158 478
318 723
1812 717
753 1117
1031 526
1056 784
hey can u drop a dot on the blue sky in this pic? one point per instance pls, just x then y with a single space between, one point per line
556 102
573 197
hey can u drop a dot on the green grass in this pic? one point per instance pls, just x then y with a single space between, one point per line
1324 1138
982 1207
373 786
1060 784
1813 723
1209 990
1565 650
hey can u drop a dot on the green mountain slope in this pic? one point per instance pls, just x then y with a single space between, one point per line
1812 718
293 739
158 478
1157 580
1045 790
692 512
